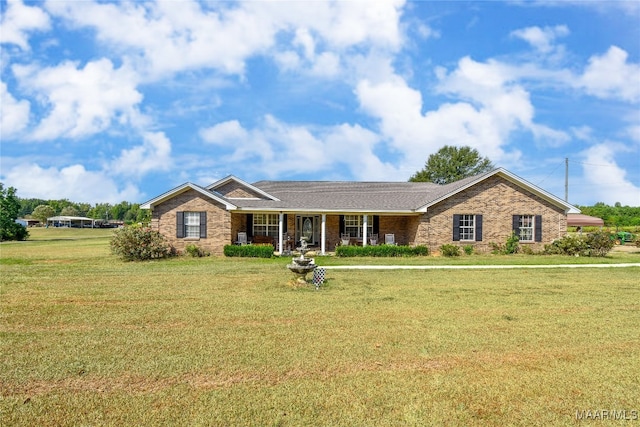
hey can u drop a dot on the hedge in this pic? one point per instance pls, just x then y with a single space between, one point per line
381 251
249 251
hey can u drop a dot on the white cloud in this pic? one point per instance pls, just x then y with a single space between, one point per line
225 134
15 114
72 182
153 155
81 101
493 107
542 39
607 182
278 148
223 37
610 76
18 20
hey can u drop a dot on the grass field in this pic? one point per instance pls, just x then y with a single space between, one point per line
89 340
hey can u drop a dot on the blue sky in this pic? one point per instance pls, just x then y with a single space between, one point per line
111 101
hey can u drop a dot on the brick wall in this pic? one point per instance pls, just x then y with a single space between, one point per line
497 200
235 189
218 221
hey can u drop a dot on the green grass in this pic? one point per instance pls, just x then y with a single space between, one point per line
86 339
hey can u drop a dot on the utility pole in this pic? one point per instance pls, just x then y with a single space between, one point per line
566 179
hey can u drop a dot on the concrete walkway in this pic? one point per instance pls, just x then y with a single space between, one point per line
475 267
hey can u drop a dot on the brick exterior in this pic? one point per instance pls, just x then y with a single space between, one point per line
218 221
234 189
496 199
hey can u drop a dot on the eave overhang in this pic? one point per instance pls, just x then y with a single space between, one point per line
522 183
231 178
186 187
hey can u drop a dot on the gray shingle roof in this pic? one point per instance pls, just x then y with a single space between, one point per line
347 196
324 195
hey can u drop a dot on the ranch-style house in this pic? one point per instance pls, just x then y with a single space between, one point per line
474 211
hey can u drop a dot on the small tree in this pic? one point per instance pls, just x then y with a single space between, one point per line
42 212
69 211
9 210
452 164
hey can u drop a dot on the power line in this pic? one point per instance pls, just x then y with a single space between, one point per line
593 164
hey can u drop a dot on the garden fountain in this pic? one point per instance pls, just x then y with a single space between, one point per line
302 265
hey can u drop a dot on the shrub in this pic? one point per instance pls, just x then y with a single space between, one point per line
196 251
382 251
450 250
511 246
594 244
568 245
13 231
599 243
249 251
134 243
468 249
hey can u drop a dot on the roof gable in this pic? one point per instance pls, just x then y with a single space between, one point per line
186 187
453 188
232 187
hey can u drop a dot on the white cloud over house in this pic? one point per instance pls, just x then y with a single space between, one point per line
328 89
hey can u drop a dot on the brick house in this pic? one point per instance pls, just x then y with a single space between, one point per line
474 211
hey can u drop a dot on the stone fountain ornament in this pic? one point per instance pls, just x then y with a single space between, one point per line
302 265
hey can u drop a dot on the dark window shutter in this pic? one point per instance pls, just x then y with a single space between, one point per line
179 224
538 228
376 224
249 225
516 225
456 228
478 228
284 223
203 225
341 224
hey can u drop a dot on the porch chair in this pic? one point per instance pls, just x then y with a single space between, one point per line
345 238
373 240
389 239
242 238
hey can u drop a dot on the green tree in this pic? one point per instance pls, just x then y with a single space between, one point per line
451 164
69 211
9 210
42 212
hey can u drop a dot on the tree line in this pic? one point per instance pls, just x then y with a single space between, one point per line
41 209
614 216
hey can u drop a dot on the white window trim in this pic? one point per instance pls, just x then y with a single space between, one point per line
470 228
355 222
530 229
192 225
266 225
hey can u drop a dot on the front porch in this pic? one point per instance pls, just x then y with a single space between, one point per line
323 231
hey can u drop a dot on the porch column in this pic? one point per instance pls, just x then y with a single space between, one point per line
280 221
323 234
365 218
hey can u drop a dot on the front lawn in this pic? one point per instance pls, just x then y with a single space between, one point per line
89 340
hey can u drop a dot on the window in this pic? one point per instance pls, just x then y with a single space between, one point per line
191 225
467 227
528 227
353 225
265 225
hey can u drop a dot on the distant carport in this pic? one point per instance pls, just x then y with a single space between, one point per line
70 221
581 220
